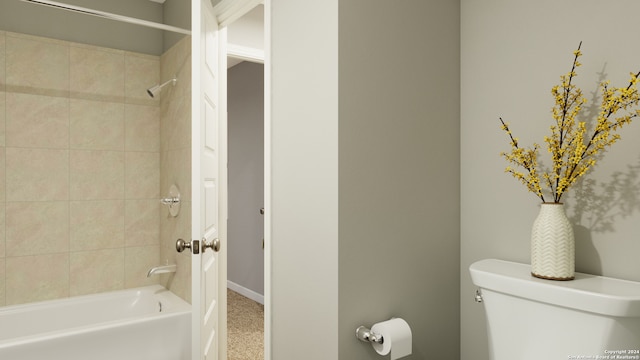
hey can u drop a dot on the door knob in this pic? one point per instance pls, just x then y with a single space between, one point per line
181 245
213 245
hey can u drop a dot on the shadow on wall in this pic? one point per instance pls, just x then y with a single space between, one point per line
597 207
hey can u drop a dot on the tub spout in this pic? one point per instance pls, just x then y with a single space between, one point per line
161 269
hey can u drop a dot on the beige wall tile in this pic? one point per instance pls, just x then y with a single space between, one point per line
37 65
97 73
2 229
57 145
96 175
142 222
176 120
142 180
37 227
96 271
180 105
176 169
137 262
174 228
176 60
96 224
168 62
141 73
175 166
2 174
3 56
3 108
37 121
96 125
27 283
142 128
37 174
2 282
180 284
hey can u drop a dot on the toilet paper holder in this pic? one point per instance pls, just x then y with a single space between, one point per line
391 336
365 334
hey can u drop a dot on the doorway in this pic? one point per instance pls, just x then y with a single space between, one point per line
245 261
246 258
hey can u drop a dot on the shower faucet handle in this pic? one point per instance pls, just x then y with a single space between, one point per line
170 200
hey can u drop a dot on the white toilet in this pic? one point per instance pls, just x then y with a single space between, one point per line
591 317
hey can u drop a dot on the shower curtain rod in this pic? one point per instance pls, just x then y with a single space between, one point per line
106 15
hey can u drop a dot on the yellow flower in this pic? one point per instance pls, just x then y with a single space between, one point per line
573 153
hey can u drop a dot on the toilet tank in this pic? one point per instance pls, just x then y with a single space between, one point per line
591 317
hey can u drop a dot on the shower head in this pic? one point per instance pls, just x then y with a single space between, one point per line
155 90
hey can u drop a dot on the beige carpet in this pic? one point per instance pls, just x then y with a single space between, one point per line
245 328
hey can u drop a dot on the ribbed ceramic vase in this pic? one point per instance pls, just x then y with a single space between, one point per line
552 244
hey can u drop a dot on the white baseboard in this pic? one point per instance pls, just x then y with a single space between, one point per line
245 292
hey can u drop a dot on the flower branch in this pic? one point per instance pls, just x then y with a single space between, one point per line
573 153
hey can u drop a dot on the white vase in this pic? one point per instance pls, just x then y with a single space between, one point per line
552 244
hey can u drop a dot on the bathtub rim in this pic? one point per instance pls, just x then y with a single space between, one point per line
156 289
179 308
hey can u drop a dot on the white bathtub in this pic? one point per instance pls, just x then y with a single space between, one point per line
148 323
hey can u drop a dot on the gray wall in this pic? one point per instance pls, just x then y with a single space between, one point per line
32 19
391 181
245 94
399 172
175 13
513 52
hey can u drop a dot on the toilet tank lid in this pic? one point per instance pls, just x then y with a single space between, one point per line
596 294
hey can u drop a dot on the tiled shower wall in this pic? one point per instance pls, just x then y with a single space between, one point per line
175 168
79 169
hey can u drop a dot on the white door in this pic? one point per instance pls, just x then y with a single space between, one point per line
209 188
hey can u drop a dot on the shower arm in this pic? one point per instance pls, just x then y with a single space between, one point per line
106 15
172 81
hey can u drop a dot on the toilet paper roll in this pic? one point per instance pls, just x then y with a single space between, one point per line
396 335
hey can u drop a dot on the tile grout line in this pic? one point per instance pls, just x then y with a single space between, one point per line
69 170
3 300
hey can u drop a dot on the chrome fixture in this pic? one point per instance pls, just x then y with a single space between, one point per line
213 245
162 269
182 245
155 90
198 246
364 334
106 15
478 297
172 201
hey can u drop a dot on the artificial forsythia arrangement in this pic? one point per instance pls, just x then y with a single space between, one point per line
573 152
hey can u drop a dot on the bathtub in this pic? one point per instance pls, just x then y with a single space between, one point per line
148 323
